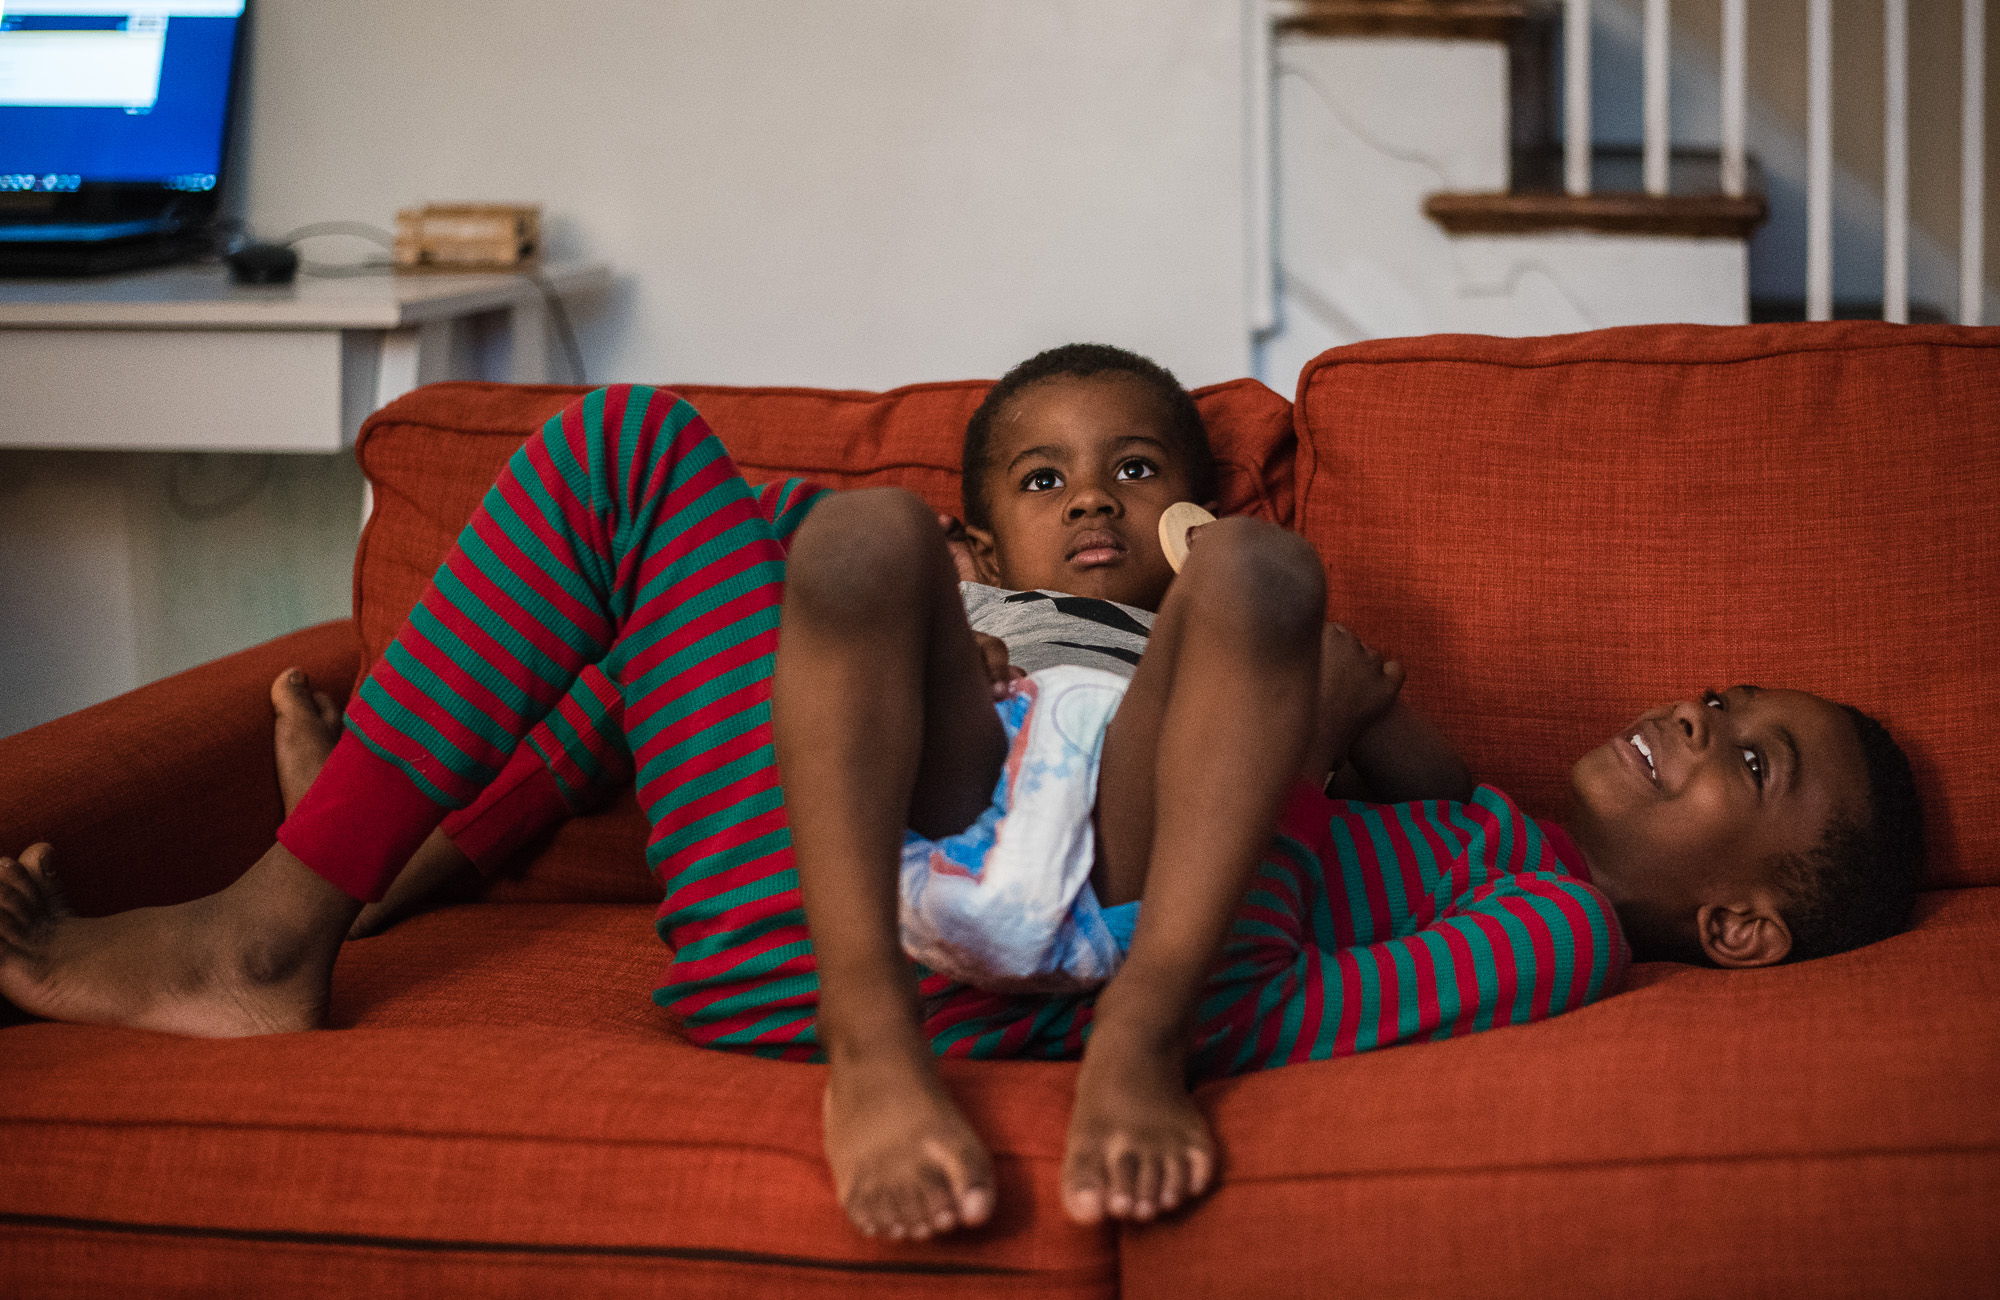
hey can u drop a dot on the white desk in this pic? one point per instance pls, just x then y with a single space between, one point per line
180 359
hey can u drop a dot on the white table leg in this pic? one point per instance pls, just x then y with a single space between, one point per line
528 329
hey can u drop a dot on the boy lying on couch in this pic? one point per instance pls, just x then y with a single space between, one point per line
621 581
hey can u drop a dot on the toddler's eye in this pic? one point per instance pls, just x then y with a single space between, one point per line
1136 469
1713 701
1042 480
1755 762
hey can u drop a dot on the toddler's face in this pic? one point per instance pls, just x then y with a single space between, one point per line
1079 472
1703 798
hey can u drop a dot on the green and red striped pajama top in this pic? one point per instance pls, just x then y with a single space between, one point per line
611 610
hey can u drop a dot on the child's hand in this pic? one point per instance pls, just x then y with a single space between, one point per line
1356 687
961 554
998 670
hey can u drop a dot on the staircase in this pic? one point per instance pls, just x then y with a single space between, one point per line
1419 189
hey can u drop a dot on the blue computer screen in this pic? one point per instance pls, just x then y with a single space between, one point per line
130 91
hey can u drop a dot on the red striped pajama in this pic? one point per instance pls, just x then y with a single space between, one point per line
614 604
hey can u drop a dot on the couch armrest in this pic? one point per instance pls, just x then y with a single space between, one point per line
168 792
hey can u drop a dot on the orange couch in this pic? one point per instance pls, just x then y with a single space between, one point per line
1552 533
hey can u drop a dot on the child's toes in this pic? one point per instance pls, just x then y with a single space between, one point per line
38 861
913 1218
1119 1193
860 1207
1201 1169
936 1203
1083 1187
1173 1183
17 907
881 1216
1146 1187
975 1205
968 1184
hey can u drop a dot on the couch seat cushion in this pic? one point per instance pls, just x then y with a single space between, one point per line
1831 1128
500 1108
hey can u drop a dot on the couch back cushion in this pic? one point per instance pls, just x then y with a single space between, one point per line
430 456
1558 533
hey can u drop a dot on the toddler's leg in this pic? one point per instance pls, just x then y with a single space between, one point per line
1208 739
883 718
570 761
541 583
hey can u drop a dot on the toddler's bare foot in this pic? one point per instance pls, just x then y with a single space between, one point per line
905 1163
252 959
307 727
306 731
1356 687
1138 1147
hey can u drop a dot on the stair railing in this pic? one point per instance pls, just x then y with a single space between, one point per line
1819 139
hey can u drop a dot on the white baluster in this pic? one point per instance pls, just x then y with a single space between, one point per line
1896 161
1260 254
1819 161
1576 97
1972 171
1734 76
1656 97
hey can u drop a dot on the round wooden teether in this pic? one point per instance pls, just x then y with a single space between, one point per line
1175 521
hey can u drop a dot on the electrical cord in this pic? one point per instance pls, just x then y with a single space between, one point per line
197 511
558 312
560 315
352 229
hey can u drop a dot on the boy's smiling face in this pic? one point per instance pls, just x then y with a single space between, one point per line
1687 815
1077 474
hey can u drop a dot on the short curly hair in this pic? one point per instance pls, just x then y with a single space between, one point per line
1858 885
1189 436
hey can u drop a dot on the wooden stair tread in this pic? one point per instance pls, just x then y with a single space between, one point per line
1460 20
1691 216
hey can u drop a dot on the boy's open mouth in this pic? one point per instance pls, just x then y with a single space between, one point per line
1639 751
1095 546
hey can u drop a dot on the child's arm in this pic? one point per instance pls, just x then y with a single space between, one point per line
1404 757
1369 744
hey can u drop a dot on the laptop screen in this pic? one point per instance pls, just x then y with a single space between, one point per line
124 93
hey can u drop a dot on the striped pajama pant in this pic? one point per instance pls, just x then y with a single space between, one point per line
611 610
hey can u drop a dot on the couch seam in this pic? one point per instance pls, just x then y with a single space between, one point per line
341 1130
1622 1162
1677 363
571 1249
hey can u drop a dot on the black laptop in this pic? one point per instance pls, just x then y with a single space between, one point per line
114 123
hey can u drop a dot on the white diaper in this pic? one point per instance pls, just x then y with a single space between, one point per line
1006 904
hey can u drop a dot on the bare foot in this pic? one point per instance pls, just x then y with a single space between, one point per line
305 735
253 959
307 727
1138 1147
905 1163
1356 687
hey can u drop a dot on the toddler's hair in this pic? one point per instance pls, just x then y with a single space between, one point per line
1859 884
1082 361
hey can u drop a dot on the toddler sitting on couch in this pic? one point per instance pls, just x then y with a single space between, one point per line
615 600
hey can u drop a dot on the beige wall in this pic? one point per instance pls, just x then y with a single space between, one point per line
860 194
793 191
